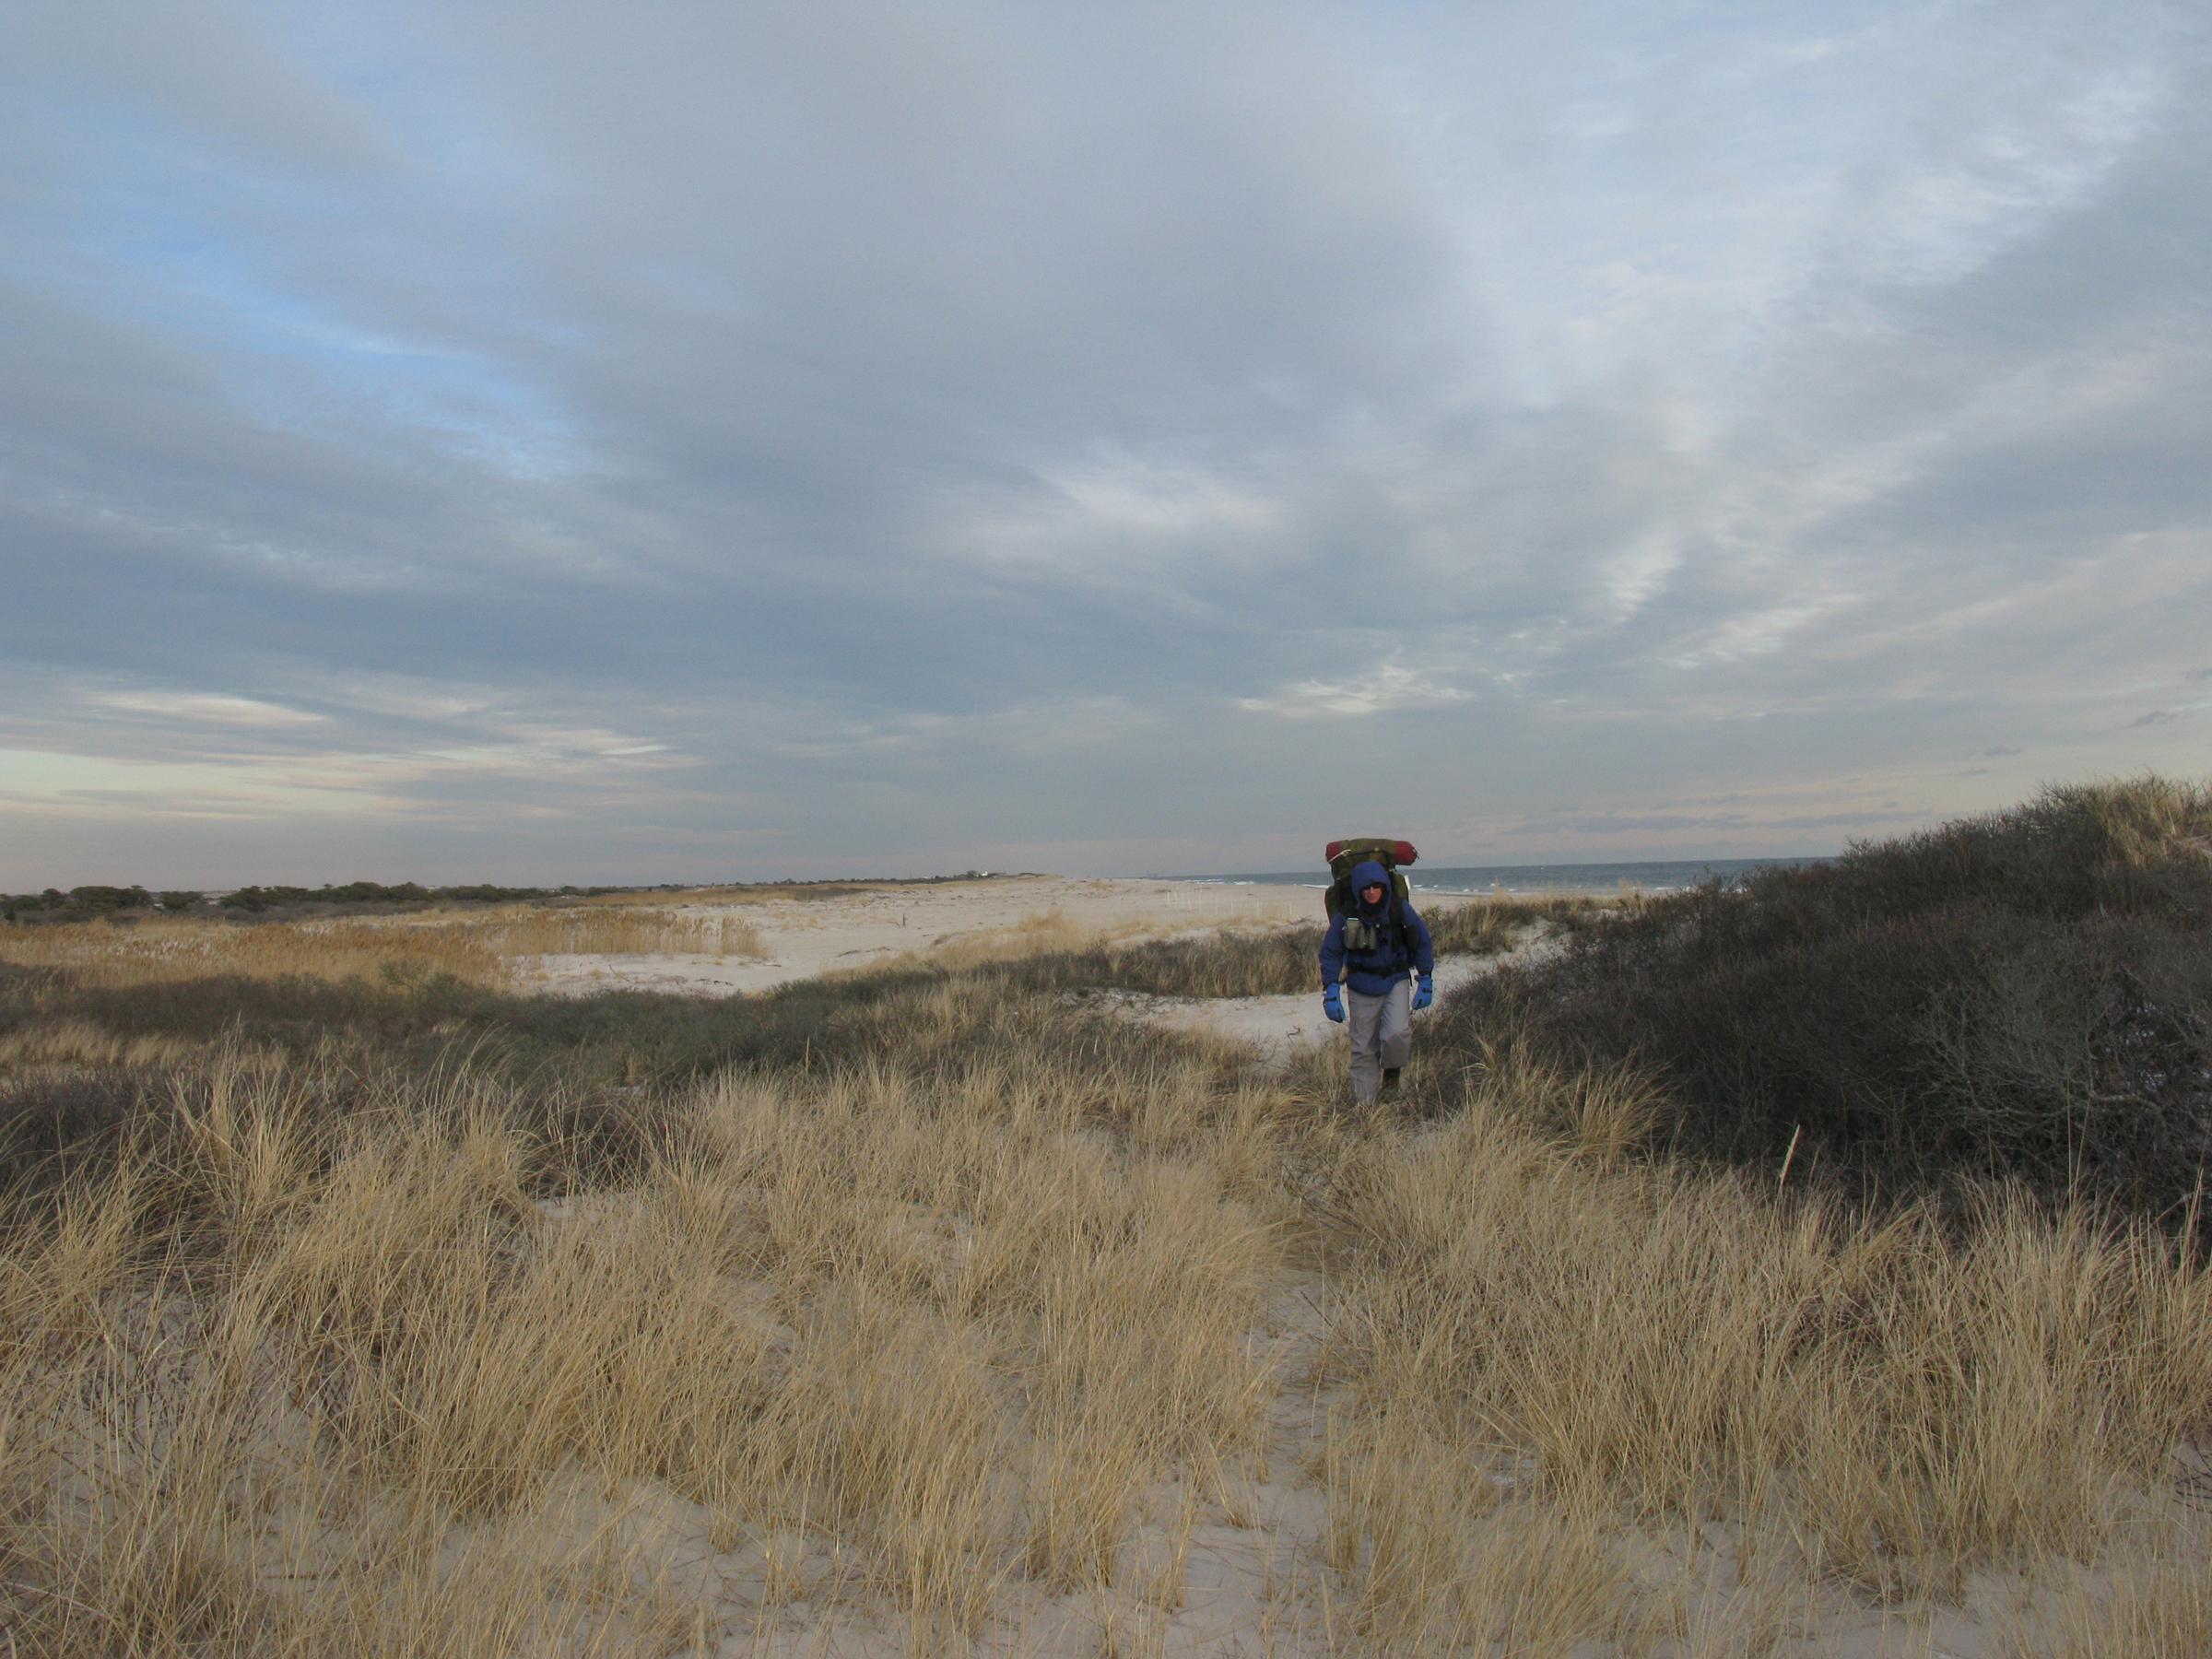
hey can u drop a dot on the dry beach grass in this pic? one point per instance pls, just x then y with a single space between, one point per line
930 1310
481 947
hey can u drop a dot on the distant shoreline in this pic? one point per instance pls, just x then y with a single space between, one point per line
1647 875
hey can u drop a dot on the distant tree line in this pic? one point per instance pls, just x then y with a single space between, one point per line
850 882
80 903
88 903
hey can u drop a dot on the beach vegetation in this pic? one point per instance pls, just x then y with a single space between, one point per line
936 1309
490 947
2023 996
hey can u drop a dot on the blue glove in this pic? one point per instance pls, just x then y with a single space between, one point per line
1424 993
1332 1004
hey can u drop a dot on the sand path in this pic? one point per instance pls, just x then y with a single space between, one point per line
1280 1026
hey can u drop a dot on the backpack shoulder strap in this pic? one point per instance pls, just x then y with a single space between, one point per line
1406 939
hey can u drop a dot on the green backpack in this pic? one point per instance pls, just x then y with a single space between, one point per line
1345 856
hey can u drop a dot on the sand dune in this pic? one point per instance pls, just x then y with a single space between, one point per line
808 936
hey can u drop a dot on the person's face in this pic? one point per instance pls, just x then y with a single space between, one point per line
1371 893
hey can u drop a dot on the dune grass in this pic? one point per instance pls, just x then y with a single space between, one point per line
601 929
932 1343
934 1312
475 946
1905 1402
953 1315
1491 926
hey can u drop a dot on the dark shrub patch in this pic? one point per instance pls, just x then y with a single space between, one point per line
103 900
2026 996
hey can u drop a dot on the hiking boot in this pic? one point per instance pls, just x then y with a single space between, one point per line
1389 1083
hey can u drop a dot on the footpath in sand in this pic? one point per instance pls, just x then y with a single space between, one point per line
1280 1026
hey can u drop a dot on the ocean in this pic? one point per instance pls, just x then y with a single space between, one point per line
1649 876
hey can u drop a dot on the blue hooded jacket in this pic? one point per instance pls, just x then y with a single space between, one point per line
1373 972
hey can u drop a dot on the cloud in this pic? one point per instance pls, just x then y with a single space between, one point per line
205 708
1024 424
1390 688
2156 717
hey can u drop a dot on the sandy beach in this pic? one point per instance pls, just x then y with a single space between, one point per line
808 936
878 924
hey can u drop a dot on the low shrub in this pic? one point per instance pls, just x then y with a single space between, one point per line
2027 995
336 899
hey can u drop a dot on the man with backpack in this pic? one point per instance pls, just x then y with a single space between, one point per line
1376 945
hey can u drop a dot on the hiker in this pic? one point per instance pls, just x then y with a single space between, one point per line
1376 946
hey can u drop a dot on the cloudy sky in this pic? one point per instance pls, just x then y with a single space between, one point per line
570 442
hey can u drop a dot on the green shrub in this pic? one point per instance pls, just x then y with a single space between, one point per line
78 904
355 895
103 900
2027 995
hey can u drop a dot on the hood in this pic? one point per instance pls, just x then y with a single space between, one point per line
1367 874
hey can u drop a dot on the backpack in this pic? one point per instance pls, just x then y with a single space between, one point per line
1345 856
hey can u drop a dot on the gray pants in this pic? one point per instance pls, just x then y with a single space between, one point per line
1382 1035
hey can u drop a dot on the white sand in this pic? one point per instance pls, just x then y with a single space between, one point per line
808 937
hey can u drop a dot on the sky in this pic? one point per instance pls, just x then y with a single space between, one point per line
563 441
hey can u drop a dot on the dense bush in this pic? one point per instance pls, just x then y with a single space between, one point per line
103 900
2027 995
353 895
78 904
